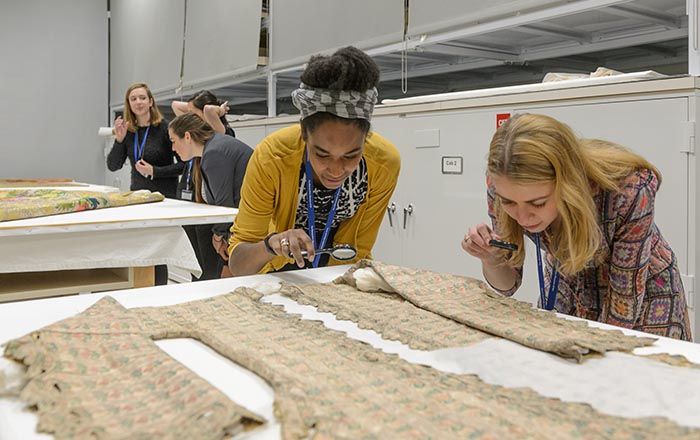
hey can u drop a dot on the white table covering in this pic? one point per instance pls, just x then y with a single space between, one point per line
125 236
617 384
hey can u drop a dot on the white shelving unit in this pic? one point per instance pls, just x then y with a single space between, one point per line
499 46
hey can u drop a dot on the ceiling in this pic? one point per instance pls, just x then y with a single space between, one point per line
627 36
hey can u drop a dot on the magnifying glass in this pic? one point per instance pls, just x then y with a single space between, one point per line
340 252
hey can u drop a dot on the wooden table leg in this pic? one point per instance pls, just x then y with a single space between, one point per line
144 276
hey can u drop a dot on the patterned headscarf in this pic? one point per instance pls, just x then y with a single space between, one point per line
348 104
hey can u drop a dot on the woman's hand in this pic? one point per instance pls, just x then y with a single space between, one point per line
144 168
119 129
223 108
220 246
476 244
290 244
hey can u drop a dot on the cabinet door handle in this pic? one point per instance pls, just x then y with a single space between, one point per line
390 210
408 210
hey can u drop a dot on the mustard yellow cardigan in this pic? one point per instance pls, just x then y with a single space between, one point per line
271 189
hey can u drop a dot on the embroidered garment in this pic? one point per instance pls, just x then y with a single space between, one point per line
395 318
388 314
28 183
469 301
637 285
28 203
98 375
326 385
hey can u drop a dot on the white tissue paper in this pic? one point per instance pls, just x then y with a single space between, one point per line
368 280
105 131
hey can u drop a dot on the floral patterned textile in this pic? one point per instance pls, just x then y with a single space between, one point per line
99 376
388 314
28 203
469 301
637 284
326 385
14 183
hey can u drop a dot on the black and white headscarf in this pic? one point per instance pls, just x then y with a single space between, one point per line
347 104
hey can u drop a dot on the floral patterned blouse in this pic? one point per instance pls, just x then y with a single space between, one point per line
637 284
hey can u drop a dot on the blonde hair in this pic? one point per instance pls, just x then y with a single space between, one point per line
130 117
531 148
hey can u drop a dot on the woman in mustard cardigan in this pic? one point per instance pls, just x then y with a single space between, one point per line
331 155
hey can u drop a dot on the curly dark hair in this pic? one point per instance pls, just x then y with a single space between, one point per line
202 98
348 68
205 97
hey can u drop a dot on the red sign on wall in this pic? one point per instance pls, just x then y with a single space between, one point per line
501 118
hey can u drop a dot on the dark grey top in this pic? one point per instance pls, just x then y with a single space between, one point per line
223 166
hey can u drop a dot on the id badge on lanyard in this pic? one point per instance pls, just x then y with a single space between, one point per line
550 299
186 195
312 216
138 148
187 192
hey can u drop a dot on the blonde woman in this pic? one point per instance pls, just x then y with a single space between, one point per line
589 205
142 138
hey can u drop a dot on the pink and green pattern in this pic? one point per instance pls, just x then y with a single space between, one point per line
16 204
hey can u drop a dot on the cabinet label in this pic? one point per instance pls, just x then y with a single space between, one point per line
451 164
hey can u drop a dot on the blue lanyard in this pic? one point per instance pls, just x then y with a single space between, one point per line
548 301
187 175
138 149
312 216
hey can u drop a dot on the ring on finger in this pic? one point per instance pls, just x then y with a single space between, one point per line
284 241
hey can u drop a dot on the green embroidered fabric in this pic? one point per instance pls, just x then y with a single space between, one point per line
18 204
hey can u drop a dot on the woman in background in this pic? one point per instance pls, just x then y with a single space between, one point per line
208 107
219 166
141 136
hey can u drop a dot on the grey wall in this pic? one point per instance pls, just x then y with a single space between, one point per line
53 88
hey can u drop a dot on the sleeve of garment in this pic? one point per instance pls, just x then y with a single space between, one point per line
257 204
378 199
173 170
491 201
219 177
117 155
631 249
176 166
